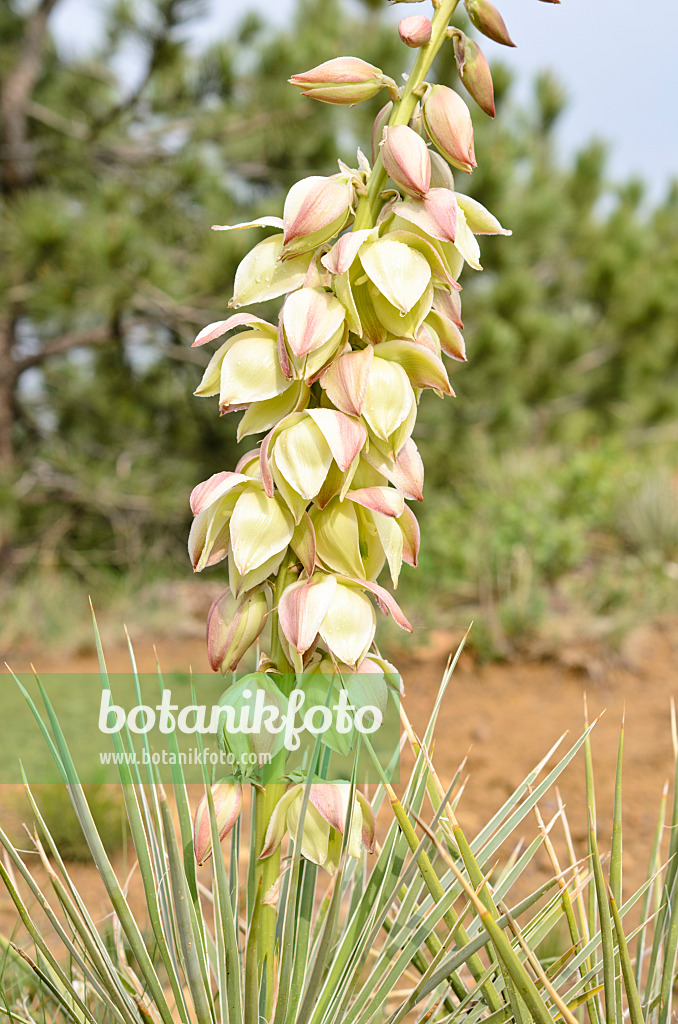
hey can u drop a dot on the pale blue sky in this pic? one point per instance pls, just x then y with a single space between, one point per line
618 65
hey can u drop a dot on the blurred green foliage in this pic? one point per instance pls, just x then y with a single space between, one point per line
551 469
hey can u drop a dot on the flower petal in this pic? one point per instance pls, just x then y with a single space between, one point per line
331 801
262 275
338 538
209 539
389 398
250 371
436 213
369 823
423 368
214 488
385 500
220 327
349 625
311 317
303 543
411 536
480 220
405 471
260 527
465 243
277 825
314 203
344 434
344 251
302 608
263 415
260 222
227 799
401 274
346 380
406 159
303 456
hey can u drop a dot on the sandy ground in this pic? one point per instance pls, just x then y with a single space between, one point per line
505 717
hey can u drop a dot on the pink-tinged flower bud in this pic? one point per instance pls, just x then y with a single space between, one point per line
233 625
448 123
415 31
487 19
227 798
406 159
345 80
474 71
380 122
316 209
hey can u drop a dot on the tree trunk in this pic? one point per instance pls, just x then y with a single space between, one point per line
8 381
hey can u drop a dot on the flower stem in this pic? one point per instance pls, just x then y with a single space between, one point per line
369 204
267 873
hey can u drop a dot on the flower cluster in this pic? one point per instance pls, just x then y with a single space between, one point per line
335 384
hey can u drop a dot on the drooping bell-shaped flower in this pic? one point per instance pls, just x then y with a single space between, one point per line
344 80
448 124
487 19
335 610
227 799
406 159
310 455
245 369
339 613
377 388
235 517
312 329
415 31
325 821
212 503
233 625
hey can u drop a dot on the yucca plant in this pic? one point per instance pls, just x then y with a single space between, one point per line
307 916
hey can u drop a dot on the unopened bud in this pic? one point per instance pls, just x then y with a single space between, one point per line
316 209
380 122
415 31
227 799
441 172
233 624
448 123
474 71
406 159
344 80
487 19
